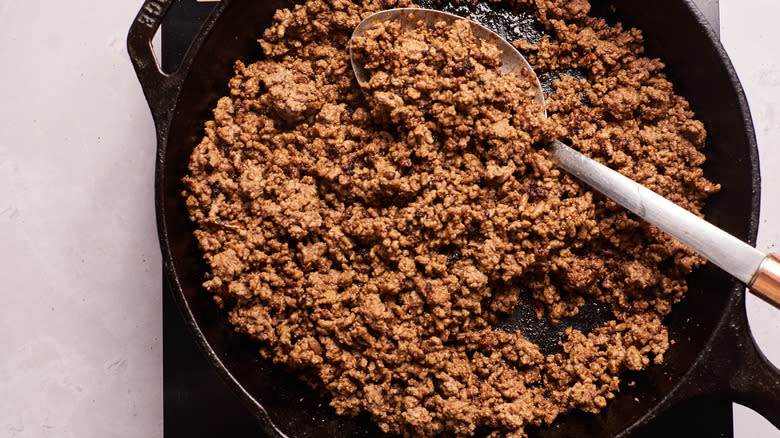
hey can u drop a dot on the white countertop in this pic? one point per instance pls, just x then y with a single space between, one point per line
80 320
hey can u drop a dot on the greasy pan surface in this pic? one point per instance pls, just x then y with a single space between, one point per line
713 354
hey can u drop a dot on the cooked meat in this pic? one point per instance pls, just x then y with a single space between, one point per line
370 239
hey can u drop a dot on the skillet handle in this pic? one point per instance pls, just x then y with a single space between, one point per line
159 88
732 367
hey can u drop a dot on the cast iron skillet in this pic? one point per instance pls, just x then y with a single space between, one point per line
714 354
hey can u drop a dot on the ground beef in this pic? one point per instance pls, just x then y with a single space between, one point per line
370 239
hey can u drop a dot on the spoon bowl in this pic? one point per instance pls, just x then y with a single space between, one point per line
512 61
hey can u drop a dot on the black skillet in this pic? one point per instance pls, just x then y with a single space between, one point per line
714 354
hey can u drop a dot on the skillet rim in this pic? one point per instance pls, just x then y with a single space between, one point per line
164 121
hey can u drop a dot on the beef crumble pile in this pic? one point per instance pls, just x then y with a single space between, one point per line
372 241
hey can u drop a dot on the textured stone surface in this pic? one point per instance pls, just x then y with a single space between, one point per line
80 351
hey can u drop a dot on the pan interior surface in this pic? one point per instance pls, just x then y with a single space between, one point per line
672 32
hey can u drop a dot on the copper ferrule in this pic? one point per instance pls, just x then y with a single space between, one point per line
766 281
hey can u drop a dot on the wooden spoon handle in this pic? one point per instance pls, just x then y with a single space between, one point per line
766 281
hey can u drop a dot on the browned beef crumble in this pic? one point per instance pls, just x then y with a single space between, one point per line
372 242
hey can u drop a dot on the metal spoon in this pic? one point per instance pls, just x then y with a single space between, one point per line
761 272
